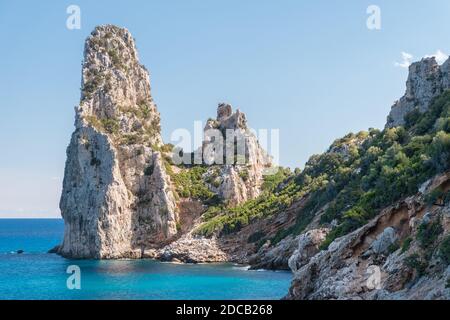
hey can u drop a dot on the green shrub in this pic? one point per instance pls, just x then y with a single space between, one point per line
412 117
114 55
443 124
153 128
406 244
216 183
189 183
440 151
93 83
255 237
110 125
149 170
168 147
243 174
438 108
428 233
93 121
144 110
212 212
393 247
359 176
446 198
130 139
444 250
271 181
416 263
432 197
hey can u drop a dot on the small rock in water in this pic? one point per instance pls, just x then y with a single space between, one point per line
20 251
53 250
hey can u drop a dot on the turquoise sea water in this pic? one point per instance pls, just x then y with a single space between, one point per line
36 274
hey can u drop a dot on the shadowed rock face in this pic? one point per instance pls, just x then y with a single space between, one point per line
117 198
426 80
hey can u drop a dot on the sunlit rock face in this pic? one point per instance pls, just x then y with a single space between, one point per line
240 179
369 263
426 80
117 199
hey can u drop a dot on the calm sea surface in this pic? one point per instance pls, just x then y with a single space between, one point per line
36 274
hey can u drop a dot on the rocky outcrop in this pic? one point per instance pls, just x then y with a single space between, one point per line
307 246
397 255
274 257
426 80
117 198
193 249
229 142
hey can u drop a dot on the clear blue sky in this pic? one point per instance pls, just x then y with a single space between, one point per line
310 68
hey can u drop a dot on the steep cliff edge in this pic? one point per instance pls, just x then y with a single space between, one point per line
404 253
426 80
117 198
385 205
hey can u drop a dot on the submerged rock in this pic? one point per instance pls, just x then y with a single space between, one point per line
55 249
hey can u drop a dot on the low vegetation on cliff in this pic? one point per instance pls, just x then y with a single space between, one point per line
358 176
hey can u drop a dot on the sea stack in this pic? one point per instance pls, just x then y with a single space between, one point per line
117 198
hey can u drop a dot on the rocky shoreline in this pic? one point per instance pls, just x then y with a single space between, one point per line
124 197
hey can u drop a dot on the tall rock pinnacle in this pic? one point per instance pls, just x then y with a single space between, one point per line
117 198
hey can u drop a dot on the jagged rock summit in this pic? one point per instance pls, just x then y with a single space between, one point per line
116 198
119 199
426 80
242 179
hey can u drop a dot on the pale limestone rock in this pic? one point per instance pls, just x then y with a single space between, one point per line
426 80
240 180
383 241
224 111
117 199
193 249
308 245
276 257
352 267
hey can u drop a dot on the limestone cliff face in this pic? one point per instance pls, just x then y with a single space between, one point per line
426 80
233 183
117 198
369 264
241 180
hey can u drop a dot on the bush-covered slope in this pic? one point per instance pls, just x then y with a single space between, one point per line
358 176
